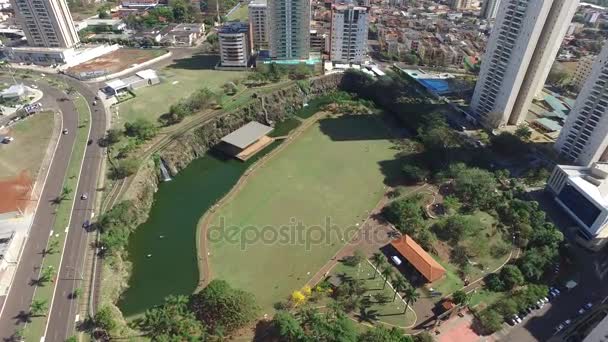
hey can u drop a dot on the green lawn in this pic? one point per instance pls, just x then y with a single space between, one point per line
241 14
26 152
391 312
35 329
177 81
333 173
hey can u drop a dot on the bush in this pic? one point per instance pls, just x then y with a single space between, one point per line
414 174
511 276
124 169
490 321
141 129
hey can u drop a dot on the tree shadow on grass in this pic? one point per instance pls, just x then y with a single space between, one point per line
196 62
367 315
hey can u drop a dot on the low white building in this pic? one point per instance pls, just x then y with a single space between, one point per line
141 79
57 56
582 192
14 91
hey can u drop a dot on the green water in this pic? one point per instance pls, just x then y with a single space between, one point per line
169 234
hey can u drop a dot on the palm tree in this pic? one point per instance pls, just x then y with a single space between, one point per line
400 284
411 296
38 307
387 272
379 261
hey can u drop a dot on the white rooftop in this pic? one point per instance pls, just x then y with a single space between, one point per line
247 134
116 84
147 74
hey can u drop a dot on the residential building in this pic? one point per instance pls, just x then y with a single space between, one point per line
519 55
46 23
349 31
235 48
459 5
583 71
489 9
258 23
584 138
289 29
582 192
318 41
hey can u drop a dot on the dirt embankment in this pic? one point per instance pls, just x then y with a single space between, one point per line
266 108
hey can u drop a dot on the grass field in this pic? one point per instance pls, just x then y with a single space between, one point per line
241 14
291 216
26 152
35 329
177 81
391 312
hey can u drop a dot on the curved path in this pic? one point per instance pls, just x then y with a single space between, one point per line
20 295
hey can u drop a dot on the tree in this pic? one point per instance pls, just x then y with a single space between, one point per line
379 260
490 320
221 307
112 136
141 129
298 298
387 273
355 259
102 13
72 339
494 283
511 276
411 296
474 187
455 228
400 284
461 298
414 174
46 275
379 333
452 204
523 132
77 292
287 327
38 307
104 319
406 214
423 337
410 59
125 168
381 297
171 321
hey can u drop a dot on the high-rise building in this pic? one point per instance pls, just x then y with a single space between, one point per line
458 5
584 137
489 9
520 52
289 34
349 31
583 71
258 23
235 48
46 23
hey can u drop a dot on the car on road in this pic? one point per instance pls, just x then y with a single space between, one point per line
514 320
90 142
84 196
7 140
588 306
65 131
94 103
86 224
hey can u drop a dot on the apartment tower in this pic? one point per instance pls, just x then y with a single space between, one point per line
258 24
584 138
489 9
458 5
235 48
348 33
46 23
520 52
289 34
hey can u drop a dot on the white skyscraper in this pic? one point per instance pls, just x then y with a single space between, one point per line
46 23
489 9
289 24
520 52
258 23
349 31
235 48
584 138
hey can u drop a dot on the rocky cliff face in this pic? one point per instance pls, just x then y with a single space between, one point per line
266 108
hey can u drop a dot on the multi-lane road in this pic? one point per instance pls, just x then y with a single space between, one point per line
63 309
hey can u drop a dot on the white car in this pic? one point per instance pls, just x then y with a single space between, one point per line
84 196
396 260
7 140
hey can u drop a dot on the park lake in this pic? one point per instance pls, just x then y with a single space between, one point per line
163 250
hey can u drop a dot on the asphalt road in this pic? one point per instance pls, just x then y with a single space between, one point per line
20 296
62 315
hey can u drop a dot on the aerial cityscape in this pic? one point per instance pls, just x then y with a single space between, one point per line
304 170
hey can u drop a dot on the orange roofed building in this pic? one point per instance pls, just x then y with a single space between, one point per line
419 258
